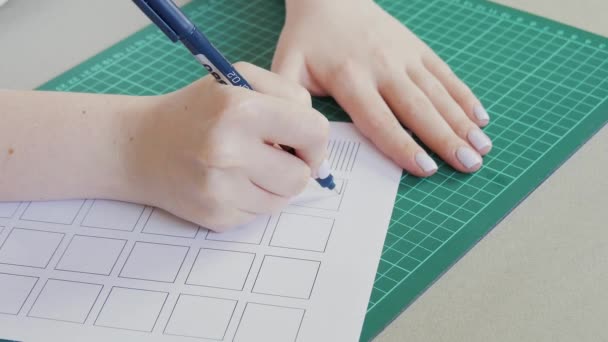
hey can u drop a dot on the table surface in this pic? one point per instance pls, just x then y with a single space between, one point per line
540 275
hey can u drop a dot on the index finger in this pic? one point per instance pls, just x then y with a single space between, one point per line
283 122
370 113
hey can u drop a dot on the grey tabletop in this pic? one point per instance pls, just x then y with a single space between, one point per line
540 275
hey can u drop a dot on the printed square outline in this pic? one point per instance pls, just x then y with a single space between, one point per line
154 243
101 286
96 237
82 224
342 192
216 287
143 230
192 295
131 288
65 224
331 229
277 306
28 294
202 232
14 211
208 238
314 282
38 230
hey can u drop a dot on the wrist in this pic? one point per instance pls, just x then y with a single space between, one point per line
113 150
140 150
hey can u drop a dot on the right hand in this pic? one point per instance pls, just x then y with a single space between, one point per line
207 152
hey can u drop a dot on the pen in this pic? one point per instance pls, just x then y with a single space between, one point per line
172 21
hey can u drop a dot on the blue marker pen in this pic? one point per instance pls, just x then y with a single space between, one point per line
172 21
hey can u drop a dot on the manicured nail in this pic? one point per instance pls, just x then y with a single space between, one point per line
469 158
479 140
481 114
426 163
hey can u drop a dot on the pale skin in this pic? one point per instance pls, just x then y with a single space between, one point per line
203 152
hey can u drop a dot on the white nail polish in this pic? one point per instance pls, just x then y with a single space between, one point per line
469 158
479 140
481 114
426 163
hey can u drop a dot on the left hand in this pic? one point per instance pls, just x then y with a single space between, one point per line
383 75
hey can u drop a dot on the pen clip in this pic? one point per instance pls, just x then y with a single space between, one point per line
151 13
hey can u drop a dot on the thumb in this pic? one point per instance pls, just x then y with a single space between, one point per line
292 65
288 64
266 82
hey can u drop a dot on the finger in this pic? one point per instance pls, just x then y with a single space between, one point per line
279 121
457 89
288 64
292 65
236 217
277 171
450 110
269 83
369 112
416 112
223 218
256 200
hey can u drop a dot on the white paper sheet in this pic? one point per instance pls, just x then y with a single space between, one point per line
95 270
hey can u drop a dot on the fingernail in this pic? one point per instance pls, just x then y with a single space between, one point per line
469 158
481 114
426 163
479 140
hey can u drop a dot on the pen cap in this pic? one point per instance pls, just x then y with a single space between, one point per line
167 16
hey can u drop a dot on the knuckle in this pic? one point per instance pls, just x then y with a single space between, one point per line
232 100
346 72
383 58
451 75
236 108
211 194
227 101
377 123
301 95
218 154
435 87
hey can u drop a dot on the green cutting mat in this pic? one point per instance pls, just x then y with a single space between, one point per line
545 85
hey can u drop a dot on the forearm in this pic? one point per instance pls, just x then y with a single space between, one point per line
66 145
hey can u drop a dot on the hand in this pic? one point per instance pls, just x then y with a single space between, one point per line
383 75
205 153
